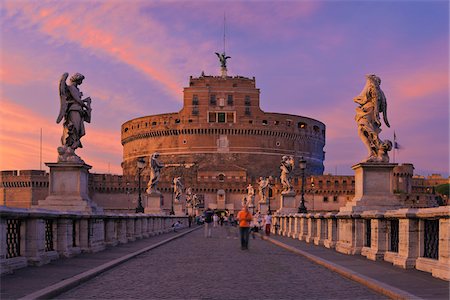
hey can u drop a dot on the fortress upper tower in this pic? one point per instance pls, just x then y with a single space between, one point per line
221 129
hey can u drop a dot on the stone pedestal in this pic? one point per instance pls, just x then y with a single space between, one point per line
68 190
154 203
178 209
373 188
287 204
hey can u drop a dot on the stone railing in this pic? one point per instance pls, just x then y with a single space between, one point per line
35 237
407 238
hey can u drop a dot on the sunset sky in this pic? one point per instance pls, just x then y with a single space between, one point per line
309 58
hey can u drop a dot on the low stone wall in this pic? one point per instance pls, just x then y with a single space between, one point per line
36 236
407 238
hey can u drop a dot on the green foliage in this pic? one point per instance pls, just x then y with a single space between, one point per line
443 189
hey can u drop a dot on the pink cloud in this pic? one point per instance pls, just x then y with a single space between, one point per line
20 141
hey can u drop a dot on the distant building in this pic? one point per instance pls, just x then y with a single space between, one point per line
117 193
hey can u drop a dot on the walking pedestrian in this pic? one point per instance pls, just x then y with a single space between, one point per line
190 220
244 218
268 222
216 220
208 214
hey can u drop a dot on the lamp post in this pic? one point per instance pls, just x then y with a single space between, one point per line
140 166
172 211
302 165
312 187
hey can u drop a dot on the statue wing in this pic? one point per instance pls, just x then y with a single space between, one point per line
63 95
383 108
218 55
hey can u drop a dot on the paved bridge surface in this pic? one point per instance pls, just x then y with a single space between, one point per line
185 265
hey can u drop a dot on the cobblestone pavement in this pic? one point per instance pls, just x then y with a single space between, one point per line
420 284
31 279
194 267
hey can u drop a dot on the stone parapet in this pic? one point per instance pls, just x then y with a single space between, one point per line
37 236
407 238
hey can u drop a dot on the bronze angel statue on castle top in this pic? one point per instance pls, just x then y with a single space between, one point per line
372 102
75 111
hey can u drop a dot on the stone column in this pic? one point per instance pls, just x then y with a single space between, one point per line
311 229
443 271
35 242
84 235
130 230
110 232
64 235
330 241
351 234
321 230
145 232
408 243
97 237
378 243
138 228
303 227
121 224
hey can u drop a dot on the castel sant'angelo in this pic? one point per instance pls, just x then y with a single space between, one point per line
221 136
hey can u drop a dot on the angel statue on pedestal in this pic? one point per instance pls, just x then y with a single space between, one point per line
75 111
372 102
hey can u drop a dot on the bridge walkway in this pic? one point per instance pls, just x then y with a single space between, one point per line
193 267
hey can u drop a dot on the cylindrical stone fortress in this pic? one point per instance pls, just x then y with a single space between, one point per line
222 128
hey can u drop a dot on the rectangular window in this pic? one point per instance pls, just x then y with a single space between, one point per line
247 111
212 117
194 100
221 117
230 100
247 100
230 117
212 100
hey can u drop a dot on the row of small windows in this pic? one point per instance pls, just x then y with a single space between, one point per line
19 184
221 117
224 131
213 100
229 117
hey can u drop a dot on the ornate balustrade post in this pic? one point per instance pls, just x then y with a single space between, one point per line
64 238
34 249
285 225
331 223
296 229
443 271
274 224
130 229
145 232
303 227
111 238
84 234
321 230
311 228
121 224
378 236
138 227
350 232
97 234
290 224
434 241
